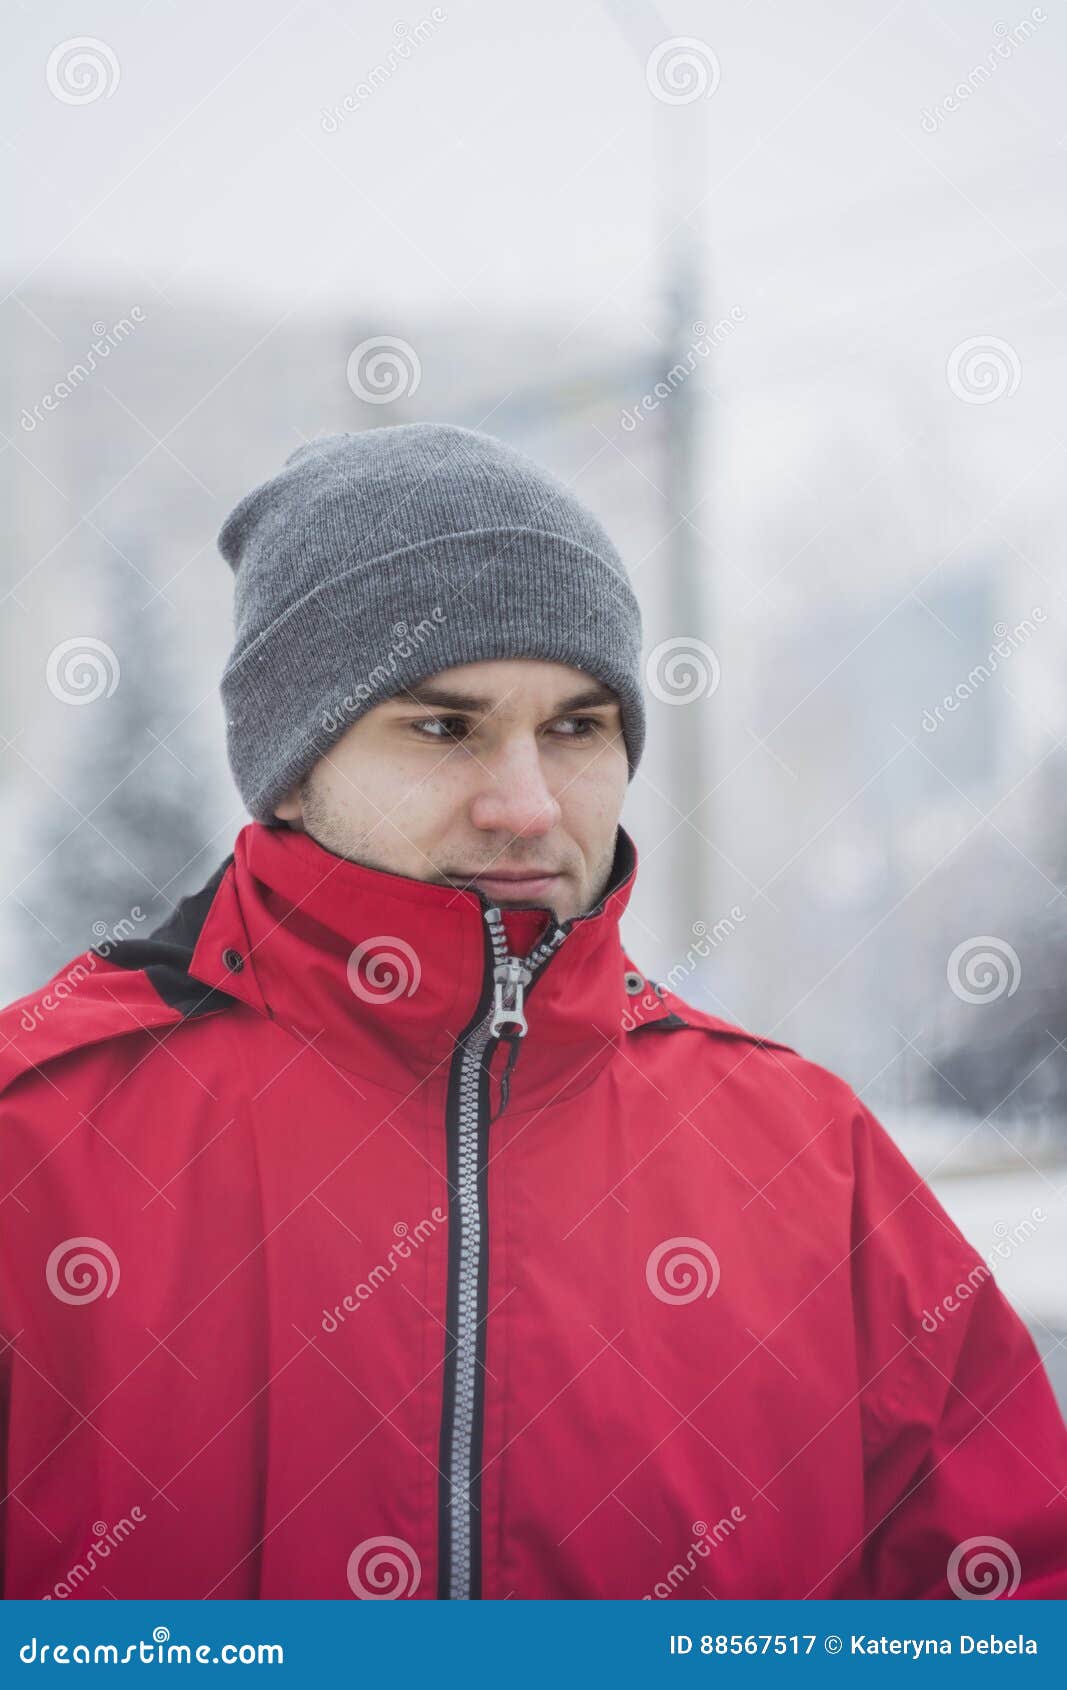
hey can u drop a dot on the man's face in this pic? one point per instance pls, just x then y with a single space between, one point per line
509 775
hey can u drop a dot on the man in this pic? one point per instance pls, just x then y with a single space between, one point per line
375 1228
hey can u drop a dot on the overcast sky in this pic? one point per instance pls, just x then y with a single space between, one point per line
544 162
517 158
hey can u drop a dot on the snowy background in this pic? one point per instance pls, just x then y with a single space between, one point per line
841 227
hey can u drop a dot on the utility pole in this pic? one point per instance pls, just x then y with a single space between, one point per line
679 76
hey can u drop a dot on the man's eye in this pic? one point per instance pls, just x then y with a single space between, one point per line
448 723
457 727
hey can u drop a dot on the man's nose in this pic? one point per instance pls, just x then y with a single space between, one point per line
513 795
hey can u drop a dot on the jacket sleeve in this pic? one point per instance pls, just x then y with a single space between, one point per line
965 1449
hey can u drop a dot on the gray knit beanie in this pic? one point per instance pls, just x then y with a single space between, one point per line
372 561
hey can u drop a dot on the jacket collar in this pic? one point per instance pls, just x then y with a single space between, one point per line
381 973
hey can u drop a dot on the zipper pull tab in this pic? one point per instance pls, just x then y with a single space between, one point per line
511 976
505 1078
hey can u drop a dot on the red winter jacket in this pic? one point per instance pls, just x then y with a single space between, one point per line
295 1302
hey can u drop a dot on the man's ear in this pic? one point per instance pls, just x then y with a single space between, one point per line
290 808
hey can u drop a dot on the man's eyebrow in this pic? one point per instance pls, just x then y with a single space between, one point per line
447 698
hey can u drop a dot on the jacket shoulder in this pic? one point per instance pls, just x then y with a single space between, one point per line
119 987
655 1008
780 1068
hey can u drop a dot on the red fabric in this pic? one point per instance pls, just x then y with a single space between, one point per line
250 1167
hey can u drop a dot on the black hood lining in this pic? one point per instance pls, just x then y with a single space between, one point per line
166 953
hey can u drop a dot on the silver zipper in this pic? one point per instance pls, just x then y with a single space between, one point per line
511 976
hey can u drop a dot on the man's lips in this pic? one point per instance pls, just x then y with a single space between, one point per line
504 883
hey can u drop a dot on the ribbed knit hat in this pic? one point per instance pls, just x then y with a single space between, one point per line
372 561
